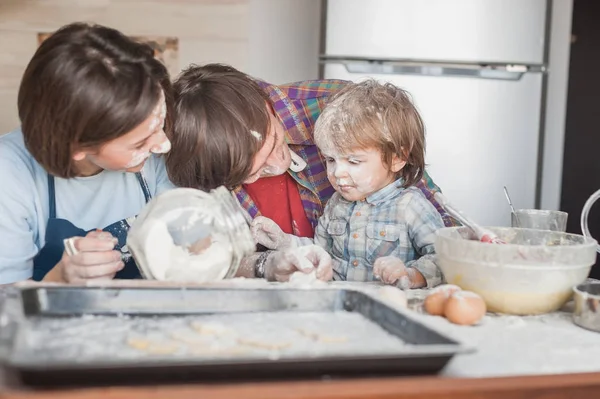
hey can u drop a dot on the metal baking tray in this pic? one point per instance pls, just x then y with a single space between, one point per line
78 336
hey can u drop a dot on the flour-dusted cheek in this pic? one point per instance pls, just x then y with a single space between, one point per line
137 158
272 171
331 167
163 147
362 178
331 171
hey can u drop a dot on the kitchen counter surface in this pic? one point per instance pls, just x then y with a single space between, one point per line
514 357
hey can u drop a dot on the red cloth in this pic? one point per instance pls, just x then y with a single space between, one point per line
270 194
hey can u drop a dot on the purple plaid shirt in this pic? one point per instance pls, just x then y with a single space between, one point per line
298 105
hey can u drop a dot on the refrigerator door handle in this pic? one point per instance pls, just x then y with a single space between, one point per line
479 71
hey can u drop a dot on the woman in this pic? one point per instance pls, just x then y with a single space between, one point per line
94 106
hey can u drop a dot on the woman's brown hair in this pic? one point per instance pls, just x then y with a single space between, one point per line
221 123
85 86
375 115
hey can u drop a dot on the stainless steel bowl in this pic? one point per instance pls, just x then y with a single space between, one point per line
587 305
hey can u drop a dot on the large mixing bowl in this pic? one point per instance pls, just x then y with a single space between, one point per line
533 273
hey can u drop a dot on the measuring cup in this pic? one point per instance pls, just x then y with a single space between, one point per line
539 219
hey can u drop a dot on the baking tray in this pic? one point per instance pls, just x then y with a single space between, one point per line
98 336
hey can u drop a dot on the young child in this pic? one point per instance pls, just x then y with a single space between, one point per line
377 225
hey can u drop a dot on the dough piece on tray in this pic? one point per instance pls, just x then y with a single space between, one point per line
272 346
188 337
153 348
322 338
392 296
219 351
210 328
306 280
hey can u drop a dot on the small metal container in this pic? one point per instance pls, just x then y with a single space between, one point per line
587 305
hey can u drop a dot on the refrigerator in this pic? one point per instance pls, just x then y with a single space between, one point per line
476 70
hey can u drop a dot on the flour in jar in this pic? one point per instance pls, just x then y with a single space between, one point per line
204 261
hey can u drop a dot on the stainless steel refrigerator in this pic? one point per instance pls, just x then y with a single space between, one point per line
476 71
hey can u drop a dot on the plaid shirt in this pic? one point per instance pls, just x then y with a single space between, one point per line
391 222
298 105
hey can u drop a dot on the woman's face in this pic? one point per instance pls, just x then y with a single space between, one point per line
130 151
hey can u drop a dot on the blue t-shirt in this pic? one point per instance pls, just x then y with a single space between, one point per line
87 202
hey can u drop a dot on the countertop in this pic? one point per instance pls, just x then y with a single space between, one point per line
514 357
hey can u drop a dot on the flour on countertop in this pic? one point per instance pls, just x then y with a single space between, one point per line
518 345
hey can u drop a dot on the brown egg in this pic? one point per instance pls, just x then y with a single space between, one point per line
436 300
465 308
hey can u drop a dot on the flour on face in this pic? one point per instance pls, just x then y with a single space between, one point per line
358 174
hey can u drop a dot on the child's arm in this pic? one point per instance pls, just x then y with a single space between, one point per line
266 232
423 221
323 238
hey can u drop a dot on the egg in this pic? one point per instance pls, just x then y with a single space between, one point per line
392 296
435 302
465 308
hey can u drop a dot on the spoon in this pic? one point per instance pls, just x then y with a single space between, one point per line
484 235
512 208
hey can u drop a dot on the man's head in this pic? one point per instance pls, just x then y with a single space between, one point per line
225 131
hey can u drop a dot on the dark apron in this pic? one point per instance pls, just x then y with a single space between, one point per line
58 230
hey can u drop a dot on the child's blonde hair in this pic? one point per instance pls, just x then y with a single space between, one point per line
375 115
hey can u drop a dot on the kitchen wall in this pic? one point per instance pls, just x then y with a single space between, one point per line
284 40
276 40
556 103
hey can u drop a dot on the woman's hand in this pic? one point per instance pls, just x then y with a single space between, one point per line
94 259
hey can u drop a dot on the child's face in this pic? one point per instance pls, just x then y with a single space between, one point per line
360 172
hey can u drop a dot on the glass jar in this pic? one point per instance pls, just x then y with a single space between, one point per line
190 235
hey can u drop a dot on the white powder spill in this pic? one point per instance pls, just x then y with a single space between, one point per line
306 280
168 261
256 135
159 113
272 170
505 345
183 236
352 178
517 345
163 147
247 335
137 158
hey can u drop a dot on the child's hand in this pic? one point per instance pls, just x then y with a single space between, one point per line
393 271
268 233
